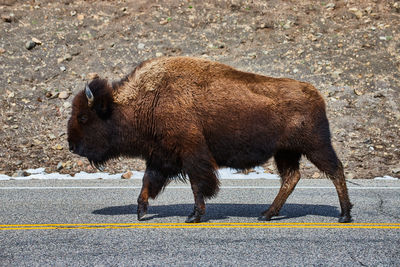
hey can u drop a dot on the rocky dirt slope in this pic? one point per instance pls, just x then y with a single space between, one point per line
348 49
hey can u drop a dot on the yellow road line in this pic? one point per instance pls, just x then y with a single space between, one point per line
200 225
183 224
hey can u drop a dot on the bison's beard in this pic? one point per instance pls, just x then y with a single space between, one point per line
98 164
98 160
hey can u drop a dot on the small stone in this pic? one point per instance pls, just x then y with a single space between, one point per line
58 147
52 94
81 17
252 55
73 13
2 51
30 44
396 6
92 76
67 105
330 6
21 173
159 54
37 142
287 25
385 38
358 13
140 46
266 25
52 136
63 68
67 164
60 165
316 175
63 95
8 18
79 163
396 170
67 57
358 92
270 167
164 21
335 74
127 175
312 37
37 41
350 175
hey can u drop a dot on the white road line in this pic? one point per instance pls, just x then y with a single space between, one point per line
187 187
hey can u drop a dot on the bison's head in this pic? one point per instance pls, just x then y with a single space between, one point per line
90 127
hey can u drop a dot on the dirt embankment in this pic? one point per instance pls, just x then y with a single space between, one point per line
348 49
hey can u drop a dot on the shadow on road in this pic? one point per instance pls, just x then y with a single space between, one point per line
223 211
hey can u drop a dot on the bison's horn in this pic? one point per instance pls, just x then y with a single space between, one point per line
89 95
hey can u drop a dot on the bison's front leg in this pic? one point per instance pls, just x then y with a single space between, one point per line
153 182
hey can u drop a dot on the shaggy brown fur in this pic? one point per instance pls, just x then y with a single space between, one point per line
186 117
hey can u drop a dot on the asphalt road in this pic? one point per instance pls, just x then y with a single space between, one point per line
93 223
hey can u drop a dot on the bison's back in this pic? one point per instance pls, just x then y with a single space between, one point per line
246 123
244 118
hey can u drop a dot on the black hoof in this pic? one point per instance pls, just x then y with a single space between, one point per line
267 215
193 219
264 218
141 215
195 216
141 212
345 219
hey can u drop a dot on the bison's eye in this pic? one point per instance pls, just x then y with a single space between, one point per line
82 118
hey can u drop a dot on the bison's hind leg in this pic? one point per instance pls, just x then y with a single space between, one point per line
287 163
326 161
201 170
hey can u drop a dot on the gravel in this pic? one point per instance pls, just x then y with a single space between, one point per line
348 50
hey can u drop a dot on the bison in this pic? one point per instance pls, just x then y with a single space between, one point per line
186 117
